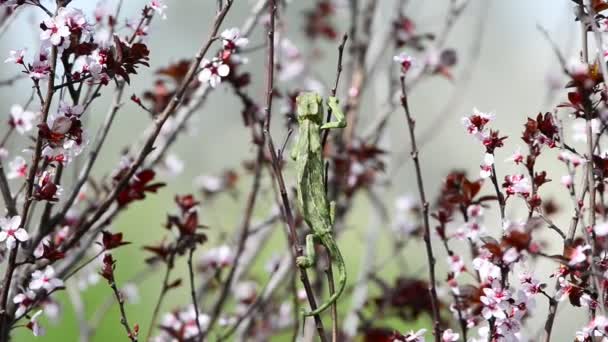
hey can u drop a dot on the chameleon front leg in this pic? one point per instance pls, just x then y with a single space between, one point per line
340 122
308 259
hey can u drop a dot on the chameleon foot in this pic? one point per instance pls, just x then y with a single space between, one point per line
303 262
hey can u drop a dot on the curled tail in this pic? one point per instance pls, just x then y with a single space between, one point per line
336 258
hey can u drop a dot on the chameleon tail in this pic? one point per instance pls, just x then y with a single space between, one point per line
336 257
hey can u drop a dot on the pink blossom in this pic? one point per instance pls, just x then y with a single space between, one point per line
17 168
40 68
183 322
456 264
75 19
34 326
69 111
529 284
571 158
219 257
516 157
404 60
12 232
22 120
24 301
486 167
579 254
16 56
213 71
475 124
55 30
159 7
232 39
567 180
601 228
292 65
517 184
487 270
417 336
449 336
475 211
45 280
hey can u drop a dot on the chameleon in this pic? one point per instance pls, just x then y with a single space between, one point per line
317 211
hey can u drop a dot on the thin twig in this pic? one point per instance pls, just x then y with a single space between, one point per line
161 296
335 88
193 294
278 174
425 214
123 315
334 306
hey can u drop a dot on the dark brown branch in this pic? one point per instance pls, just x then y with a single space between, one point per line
193 293
334 307
163 291
425 213
8 275
278 174
123 315
335 88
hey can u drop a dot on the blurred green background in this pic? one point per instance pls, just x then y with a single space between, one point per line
509 78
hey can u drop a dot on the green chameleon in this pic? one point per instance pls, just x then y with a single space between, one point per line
315 208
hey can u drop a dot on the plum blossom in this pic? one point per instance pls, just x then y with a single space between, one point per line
213 71
12 232
529 284
293 64
517 185
404 60
69 111
595 328
40 68
486 167
16 56
449 336
75 19
232 39
45 280
578 254
218 257
473 228
571 158
491 308
159 7
601 228
54 30
576 67
173 165
475 124
404 223
567 181
412 336
17 168
516 157
34 326
24 301
487 270
21 119
456 264
182 324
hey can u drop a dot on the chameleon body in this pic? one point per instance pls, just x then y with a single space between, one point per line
316 210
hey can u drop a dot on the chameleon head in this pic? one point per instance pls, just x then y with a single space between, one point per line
310 107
